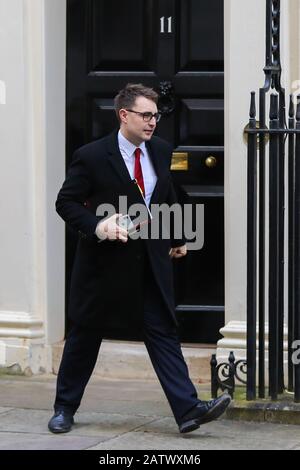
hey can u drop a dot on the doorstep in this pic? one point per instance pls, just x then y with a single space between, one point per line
130 360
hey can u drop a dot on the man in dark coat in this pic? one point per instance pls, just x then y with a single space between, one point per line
118 276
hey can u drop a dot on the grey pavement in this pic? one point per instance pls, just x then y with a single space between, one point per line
122 415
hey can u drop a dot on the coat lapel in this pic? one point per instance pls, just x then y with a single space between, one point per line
153 152
115 158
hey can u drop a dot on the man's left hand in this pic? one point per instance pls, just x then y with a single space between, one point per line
178 252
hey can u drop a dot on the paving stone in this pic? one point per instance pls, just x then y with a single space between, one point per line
4 409
122 415
162 435
86 424
21 441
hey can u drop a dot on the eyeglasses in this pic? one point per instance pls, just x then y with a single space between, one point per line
146 116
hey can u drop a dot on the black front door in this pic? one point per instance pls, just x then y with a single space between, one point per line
176 47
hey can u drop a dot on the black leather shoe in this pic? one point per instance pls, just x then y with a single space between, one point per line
61 421
204 412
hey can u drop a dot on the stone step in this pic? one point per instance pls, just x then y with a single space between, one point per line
130 360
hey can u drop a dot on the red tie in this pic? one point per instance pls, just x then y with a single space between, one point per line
138 174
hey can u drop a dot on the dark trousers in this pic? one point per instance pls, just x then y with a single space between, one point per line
163 346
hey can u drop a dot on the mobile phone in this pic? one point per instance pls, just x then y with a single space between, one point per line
124 221
128 224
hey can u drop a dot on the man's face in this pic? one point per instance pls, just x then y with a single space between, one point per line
133 126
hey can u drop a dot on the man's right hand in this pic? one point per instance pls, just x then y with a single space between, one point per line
108 229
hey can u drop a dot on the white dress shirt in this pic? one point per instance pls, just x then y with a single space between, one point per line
127 150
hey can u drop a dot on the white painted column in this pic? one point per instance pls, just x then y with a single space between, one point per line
244 62
32 168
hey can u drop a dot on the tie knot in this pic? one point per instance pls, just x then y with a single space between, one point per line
137 153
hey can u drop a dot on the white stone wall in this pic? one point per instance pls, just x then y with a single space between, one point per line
32 135
244 62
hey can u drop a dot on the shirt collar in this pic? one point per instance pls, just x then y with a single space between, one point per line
128 147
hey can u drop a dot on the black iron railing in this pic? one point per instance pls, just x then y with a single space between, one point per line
265 260
275 179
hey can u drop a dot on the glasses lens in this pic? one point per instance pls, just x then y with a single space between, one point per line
148 116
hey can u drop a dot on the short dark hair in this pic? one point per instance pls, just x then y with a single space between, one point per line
127 96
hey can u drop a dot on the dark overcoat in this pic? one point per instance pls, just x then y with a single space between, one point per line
107 278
